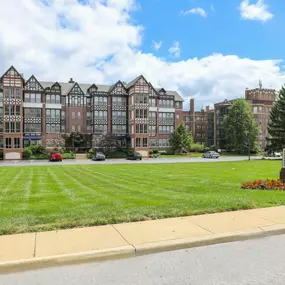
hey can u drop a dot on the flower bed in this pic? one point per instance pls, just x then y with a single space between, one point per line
264 185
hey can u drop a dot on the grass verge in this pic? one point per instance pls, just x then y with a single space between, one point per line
36 198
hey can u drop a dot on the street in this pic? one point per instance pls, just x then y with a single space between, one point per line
249 262
124 161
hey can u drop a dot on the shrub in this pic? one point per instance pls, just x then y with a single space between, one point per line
36 149
27 153
264 185
116 154
39 156
197 147
68 155
154 155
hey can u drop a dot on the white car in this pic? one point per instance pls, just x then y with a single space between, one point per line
211 154
277 154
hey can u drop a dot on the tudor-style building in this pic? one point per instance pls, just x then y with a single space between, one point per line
38 112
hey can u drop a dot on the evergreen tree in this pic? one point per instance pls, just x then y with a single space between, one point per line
240 128
181 140
276 124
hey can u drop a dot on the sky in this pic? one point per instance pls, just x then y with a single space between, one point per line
209 50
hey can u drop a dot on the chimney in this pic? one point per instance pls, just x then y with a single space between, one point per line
192 108
71 80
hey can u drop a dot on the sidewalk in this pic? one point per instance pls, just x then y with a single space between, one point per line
35 250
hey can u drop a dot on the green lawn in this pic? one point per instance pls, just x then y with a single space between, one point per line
51 197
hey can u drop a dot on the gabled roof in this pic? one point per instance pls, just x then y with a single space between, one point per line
112 87
66 87
133 82
12 67
33 77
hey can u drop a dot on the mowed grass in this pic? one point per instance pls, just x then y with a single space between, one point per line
62 196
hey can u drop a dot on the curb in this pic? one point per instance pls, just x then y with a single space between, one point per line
139 250
67 259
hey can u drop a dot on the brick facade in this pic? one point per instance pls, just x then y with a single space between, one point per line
37 112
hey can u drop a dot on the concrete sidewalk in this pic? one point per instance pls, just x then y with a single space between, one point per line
35 250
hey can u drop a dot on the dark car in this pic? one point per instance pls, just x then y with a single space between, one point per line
55 156
134 156
211 154
99 156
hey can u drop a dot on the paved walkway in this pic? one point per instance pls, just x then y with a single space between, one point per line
131 239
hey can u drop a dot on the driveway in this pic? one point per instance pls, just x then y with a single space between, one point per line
124 161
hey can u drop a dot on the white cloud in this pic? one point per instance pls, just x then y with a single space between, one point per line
174 50
101 45
197 11
157 45
255 12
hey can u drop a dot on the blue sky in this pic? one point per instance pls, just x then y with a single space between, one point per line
221 31
209 50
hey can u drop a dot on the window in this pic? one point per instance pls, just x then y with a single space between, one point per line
100 115
141 99
177 105
18 110
116 100
18 127
100 100
73 128
166 130
177 117
163 103
141 129
88 116
152 115
63 115
88 101
16 143
7 127
33 113
79 128
34 128
169 117
33 98
138 142
141 114
144 142
79 115
73 115
119 129
152 129
8 143
100 129
53 99
12 93
63 128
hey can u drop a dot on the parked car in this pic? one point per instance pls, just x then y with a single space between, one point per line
55 156
99 156
134 156
277 154
211 154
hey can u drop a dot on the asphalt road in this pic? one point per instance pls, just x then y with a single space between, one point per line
252 262
124 161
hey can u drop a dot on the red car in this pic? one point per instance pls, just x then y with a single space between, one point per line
55 156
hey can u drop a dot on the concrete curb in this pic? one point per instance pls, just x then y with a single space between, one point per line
67 259
138 250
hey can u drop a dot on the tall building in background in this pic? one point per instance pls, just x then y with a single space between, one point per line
197 123
38 112
261 101
207 125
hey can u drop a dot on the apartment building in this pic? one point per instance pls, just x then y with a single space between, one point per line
197 123
39 112
261 101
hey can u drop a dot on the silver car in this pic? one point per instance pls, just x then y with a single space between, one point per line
211 154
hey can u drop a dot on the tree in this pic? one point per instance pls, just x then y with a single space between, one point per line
276 124
181 140
74 140
108 142
240 128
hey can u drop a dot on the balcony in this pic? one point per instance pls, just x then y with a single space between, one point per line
32 105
